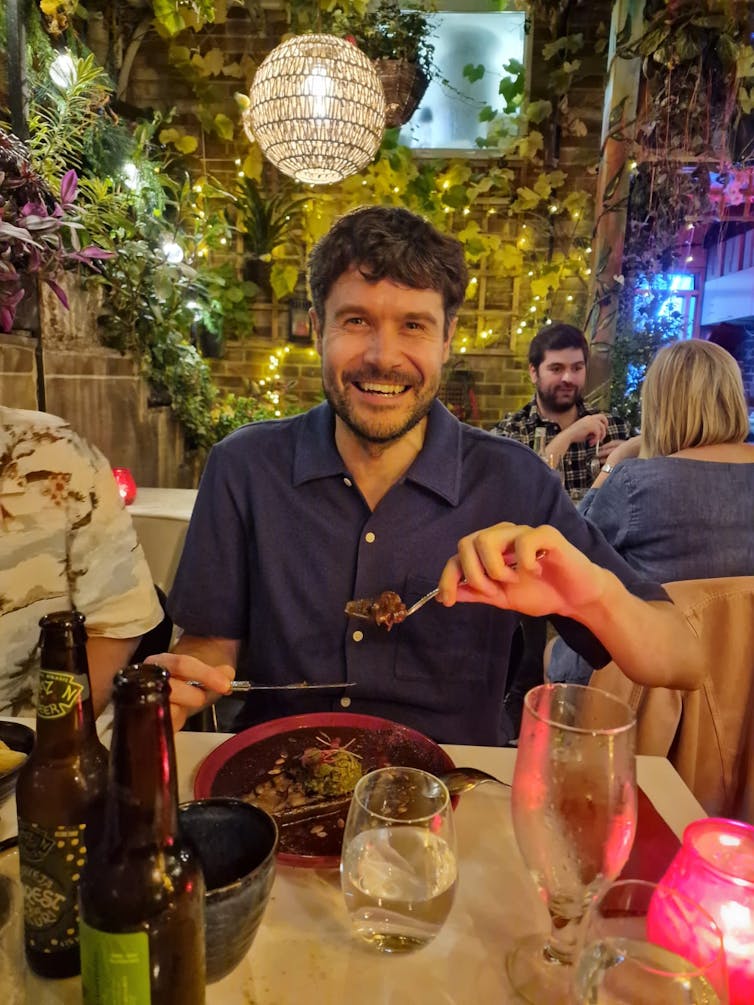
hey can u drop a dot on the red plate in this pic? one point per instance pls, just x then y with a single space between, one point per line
236 766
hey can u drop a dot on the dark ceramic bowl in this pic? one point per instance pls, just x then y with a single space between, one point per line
18 737
236 844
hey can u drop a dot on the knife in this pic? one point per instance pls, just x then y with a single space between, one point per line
241 686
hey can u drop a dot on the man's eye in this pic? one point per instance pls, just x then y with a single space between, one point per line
354 321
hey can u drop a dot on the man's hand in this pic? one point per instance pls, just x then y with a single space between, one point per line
185 698
563 581
589 429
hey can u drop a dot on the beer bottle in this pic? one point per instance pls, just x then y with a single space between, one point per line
142 891
59 795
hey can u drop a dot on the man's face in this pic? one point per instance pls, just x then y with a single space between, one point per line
560 378
382 347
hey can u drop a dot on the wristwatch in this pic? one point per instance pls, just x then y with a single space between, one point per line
607 467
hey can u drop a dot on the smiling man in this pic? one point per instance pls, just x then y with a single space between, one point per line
574 433
372 490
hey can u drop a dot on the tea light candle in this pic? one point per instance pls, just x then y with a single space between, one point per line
715 867
126 484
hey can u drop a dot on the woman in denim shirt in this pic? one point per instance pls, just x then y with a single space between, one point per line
684 508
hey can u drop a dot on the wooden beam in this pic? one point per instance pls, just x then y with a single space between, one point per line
16 11
613 181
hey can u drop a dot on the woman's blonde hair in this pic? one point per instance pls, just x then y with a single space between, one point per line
692 396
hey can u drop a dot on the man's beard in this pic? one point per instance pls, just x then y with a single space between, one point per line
553 403
375 429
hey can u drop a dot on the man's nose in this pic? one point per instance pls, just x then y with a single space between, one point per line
382 346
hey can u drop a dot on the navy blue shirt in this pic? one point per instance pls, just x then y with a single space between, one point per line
281 538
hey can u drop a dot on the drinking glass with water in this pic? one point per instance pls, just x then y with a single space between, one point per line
398 867
643 942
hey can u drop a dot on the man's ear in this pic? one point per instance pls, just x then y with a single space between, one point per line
317 329
533 373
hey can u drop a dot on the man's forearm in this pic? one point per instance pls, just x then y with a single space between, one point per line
106 657
558 446
652 642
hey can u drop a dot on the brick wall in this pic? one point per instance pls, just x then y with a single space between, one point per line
499 373
498 380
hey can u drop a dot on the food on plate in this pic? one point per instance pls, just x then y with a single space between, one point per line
386 610
9 758
319 772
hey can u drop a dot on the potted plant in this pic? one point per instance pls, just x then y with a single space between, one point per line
38 232
398 41
265 224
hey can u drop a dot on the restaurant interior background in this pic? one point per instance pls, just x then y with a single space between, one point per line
594 158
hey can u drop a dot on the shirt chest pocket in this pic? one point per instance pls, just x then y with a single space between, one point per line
449 644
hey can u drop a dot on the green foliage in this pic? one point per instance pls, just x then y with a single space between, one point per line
641 331
61 122
266 221
387 31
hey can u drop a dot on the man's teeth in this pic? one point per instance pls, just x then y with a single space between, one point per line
383 388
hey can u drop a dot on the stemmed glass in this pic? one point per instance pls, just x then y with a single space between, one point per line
644 942
574 816
398 867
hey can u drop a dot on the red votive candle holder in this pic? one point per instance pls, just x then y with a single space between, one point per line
715 867
126 484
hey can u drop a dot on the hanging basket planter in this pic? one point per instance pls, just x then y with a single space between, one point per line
404 84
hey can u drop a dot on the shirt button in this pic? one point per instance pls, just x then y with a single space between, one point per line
348 482
370 537
345 702
357 636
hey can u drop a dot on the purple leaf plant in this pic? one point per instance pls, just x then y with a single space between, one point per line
38 233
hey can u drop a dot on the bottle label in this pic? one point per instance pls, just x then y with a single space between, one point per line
51 864
114 967
59 692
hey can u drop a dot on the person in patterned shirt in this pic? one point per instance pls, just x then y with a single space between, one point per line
66 542
574 433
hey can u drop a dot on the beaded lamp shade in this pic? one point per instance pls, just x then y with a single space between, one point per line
317 109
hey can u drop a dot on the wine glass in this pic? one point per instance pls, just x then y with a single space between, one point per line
398 867
574 815
644 942
556 464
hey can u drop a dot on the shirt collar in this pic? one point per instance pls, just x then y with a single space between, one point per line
437 468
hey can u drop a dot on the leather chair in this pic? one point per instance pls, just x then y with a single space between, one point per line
708 734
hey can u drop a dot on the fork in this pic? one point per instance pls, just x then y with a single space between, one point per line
508 558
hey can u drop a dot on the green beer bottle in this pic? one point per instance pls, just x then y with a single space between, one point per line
142 891
59 795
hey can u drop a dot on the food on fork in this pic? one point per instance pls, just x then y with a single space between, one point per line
386 610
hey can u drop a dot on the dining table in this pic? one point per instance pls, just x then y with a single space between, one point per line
304 951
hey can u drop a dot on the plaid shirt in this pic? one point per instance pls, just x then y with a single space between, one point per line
521 426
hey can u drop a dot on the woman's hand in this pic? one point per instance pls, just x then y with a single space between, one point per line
562 581
620 450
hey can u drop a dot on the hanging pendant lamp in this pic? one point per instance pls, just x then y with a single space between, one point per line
316 109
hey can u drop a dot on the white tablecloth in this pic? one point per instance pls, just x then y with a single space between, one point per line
160 518
304 953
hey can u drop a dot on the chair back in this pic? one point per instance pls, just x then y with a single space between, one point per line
708 734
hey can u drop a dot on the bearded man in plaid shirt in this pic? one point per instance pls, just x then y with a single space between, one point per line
574 433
